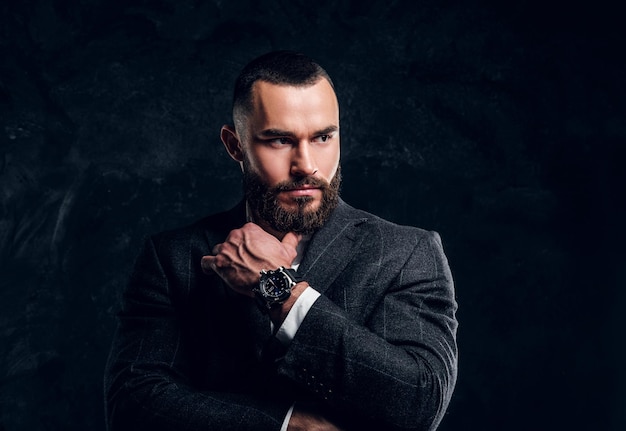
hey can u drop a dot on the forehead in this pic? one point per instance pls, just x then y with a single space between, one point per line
294 107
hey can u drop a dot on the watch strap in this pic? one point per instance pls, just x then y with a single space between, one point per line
293 274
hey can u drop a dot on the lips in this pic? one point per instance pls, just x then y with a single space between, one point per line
302 191
304 185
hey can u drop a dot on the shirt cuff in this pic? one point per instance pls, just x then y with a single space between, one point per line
296 315
287 419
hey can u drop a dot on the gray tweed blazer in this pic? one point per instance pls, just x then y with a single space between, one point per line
376 351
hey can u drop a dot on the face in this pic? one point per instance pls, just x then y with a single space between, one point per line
288 147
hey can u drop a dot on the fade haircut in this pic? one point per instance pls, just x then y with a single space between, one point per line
279 68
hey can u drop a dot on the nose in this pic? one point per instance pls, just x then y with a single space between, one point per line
303 162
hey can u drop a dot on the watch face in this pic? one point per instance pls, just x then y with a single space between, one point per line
275 286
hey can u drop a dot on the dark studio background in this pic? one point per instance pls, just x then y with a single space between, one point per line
502 126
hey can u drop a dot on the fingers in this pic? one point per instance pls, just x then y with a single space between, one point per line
247 250
208 264
291 239
216 260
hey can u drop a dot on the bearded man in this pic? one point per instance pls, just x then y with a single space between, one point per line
293 310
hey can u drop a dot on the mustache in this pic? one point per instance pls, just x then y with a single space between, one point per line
306 181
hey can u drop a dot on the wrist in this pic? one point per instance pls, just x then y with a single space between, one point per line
279 314
274 287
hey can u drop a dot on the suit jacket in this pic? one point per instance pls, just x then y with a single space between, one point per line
377 350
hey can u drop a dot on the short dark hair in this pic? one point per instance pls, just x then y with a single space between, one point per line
277 67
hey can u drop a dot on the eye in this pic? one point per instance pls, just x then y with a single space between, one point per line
322 138
279 142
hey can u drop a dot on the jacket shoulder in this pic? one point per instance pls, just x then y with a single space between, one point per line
385 227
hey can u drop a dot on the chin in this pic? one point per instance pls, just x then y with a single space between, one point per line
303 203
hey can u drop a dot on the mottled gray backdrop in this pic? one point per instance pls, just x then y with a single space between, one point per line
502 125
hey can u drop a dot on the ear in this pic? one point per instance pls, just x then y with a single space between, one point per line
232 143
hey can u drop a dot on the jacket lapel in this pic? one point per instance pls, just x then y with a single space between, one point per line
329 252
332 248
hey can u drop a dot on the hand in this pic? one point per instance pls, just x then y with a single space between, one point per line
246 251
302 420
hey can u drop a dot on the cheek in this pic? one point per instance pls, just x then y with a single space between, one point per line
270 165
329 161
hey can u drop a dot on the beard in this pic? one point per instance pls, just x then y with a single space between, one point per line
264 203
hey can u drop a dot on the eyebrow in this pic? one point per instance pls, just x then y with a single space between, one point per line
276 133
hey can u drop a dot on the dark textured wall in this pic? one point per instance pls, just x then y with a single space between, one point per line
502 126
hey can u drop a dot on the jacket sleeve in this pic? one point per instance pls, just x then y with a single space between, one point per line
397 369
147 381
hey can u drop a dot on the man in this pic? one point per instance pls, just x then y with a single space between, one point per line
292 311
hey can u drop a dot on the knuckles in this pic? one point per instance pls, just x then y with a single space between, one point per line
247 250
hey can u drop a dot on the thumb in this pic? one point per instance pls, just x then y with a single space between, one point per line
291 239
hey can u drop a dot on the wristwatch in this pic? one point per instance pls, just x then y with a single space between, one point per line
275 287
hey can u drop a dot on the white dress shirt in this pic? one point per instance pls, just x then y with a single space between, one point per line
298 312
